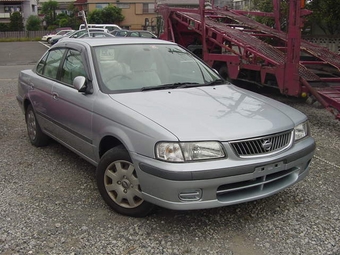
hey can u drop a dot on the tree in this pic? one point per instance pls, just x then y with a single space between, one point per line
16 22
326 15
112 15
33 23
62 20
95 17
49 9
267 6
108 15
74 20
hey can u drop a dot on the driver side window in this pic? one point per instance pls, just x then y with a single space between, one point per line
72 67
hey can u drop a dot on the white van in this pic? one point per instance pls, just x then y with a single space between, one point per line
109 27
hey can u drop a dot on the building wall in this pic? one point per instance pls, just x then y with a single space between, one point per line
30 7
135 12
26 8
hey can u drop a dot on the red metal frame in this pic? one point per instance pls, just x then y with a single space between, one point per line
240 48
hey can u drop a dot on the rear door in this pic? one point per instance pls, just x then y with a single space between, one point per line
41 88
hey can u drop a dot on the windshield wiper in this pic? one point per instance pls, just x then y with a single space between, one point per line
171 86
216 82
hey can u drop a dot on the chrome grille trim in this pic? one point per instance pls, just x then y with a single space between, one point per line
256 147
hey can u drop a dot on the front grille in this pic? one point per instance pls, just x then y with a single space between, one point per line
262 145
257 187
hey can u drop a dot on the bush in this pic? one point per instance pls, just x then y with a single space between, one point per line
16 23
33 23
4 27
52 28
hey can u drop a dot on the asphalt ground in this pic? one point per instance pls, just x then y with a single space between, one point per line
49 202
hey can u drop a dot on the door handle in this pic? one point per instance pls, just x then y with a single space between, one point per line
55 96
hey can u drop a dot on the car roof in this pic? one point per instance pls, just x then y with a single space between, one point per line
114 41
127 30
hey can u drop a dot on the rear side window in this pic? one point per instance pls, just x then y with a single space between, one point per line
122 33
49 65
134 34
146 34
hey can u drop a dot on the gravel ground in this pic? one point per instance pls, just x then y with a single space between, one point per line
50 203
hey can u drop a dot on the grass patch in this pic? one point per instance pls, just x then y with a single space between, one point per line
21 39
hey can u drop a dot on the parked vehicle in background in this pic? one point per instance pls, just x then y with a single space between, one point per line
55 39
97 34
133 33
58 31
161 126
109 27
77 34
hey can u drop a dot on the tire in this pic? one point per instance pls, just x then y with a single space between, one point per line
35 135
118 184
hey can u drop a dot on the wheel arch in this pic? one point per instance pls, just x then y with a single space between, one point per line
108 142
26 103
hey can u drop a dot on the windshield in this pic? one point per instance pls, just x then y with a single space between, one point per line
146 67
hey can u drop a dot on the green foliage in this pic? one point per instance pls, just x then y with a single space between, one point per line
4 27
52 28
16 22
74 21
49 9
326 14
64 22
95 17
112 14
33 23
20 39
267 6
108 15
264 6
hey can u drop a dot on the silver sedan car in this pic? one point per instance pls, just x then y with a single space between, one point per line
162 127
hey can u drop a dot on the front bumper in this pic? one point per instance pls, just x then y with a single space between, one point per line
200 185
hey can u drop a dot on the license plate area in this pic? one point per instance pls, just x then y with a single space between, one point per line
271 168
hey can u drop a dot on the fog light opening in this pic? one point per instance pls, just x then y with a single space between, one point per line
190 195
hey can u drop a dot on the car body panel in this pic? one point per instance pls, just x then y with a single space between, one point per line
220 108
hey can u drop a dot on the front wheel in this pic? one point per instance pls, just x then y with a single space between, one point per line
118 184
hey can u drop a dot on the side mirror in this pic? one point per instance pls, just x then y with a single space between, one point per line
80 83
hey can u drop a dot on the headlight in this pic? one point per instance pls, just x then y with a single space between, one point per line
301 130
189 151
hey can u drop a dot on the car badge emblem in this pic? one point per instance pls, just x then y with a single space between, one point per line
267 145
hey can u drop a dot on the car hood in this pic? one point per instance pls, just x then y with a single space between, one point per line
221 113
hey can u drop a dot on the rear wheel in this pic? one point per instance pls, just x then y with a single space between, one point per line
36 136
118 184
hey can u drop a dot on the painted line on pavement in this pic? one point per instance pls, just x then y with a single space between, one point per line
45 45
